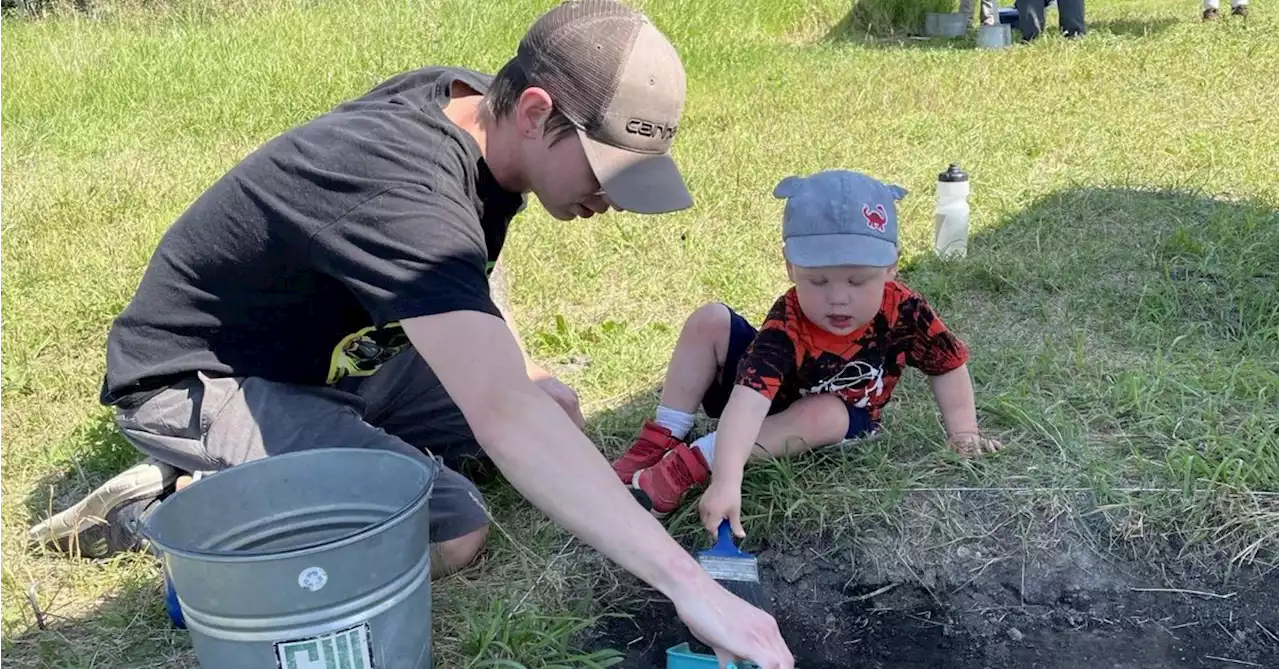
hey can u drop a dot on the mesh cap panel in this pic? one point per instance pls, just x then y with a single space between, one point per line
621 82
576 53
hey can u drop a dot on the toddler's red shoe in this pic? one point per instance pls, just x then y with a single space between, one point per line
661 488
654 442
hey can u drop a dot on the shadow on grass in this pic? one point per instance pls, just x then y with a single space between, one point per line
103 453
1145 257
1131 27
846 31
1130 331
127 628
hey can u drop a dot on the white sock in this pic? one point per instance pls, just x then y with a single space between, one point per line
678 422
707 444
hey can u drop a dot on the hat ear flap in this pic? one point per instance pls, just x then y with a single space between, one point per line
787 187
898 191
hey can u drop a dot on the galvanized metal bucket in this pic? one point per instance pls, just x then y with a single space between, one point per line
945 24
994 37
308 560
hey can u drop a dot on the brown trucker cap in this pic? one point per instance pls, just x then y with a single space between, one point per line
621 83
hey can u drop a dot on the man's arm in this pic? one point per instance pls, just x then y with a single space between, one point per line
559 470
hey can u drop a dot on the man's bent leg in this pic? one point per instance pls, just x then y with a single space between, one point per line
458 553
216 423
266 418
405 398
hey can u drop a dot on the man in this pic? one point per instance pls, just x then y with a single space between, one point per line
331 290
1031 18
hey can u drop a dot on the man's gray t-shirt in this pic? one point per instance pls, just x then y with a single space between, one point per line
299 263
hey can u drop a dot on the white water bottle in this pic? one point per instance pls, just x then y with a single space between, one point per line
951 217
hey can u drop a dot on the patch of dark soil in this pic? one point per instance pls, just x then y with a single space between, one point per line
1057 614
1014 596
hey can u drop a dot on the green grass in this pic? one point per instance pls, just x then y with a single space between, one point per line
1120 294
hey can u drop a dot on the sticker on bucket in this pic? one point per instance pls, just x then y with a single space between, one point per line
313 578
345 649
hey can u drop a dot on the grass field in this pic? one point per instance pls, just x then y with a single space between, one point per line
1120 294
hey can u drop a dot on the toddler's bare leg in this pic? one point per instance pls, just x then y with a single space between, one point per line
699 354
811 422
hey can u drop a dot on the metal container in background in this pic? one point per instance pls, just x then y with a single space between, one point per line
948 24
995 37
307 560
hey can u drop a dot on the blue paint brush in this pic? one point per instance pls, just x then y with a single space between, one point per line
736 570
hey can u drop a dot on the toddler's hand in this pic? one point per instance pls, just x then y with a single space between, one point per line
722 500
972 445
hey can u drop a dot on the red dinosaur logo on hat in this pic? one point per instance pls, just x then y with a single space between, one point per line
875 219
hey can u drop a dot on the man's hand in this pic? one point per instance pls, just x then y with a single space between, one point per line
562 394
972 444
722 499
734 629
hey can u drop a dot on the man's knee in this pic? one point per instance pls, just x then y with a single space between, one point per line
457 553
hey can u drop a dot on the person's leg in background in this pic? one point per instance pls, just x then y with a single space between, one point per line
1030 18
1071 18
988 12
1238 8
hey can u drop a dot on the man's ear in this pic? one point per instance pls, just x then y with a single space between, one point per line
533 108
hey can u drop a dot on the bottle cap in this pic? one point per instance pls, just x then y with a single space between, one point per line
953 174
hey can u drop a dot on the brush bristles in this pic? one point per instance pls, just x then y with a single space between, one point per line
751 592
730 569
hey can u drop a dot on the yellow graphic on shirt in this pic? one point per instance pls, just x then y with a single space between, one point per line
362 353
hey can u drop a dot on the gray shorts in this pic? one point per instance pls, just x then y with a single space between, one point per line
212 423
